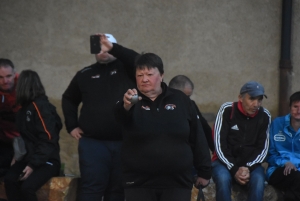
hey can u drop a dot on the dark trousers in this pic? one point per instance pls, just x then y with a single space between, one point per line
290 184
6 156
26 190
100 169
148 194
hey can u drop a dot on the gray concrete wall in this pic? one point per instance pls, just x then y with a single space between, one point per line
219 44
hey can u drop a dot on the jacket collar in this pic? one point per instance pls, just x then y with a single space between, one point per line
240 107
287 120
106 64
165 92
287 125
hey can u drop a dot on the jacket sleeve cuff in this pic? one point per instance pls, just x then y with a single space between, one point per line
31 166
114 49
70 129
253 167
233 170
205 174
120 113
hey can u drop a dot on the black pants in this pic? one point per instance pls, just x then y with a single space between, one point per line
100 168
147 194
26 190
290 184
6 156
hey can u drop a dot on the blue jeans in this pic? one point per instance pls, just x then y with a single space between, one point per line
223 181
100 169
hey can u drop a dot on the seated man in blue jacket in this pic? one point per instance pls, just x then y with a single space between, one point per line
284 151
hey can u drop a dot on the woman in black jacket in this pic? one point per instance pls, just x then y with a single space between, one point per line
162 138
39 126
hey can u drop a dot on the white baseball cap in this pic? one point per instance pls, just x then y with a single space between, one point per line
111 38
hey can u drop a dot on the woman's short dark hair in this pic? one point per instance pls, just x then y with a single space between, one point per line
295 97
29 87
149 60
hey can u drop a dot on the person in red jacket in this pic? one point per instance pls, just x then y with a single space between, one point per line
8 110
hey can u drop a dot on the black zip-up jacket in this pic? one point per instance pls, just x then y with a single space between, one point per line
162 140
161 145
241 140
39 126
206 128
98 87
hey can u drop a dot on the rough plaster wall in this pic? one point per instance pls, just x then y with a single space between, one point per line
219 44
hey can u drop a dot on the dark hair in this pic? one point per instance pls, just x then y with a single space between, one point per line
149 60
295 97
180 82
29 87
6 63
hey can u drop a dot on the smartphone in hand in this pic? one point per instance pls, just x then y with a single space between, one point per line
95 44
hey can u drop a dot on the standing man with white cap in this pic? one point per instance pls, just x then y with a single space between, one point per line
98 87
241 135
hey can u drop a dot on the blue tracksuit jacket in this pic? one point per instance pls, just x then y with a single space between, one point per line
284 145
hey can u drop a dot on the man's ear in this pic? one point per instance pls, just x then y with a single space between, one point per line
240 97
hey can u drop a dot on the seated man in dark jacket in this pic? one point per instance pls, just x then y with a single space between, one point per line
241 143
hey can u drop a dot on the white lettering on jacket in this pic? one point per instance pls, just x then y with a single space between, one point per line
279 137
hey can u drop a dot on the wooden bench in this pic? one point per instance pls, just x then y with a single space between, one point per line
56 189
